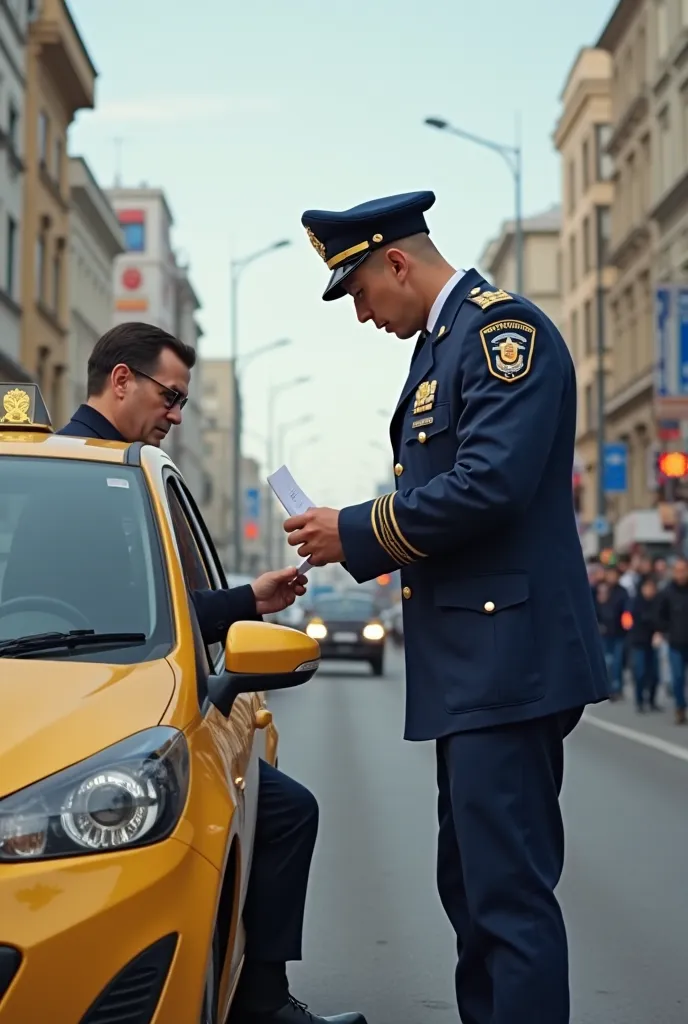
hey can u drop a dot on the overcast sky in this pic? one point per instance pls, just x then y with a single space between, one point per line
247 114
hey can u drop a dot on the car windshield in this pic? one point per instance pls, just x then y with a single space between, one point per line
79 550
345 609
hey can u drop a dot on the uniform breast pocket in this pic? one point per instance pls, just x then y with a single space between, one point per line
487 625
429 441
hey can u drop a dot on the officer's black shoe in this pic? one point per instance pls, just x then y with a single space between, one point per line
294 1012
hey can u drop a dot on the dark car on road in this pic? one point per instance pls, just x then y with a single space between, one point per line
348 628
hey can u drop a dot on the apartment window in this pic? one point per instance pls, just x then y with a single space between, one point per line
604 166
13 126
590 417
588 328
57 170
39 268
572 261
43 137
604 232
11 256
572 186
585 162
574 335
56 281
586 245
664 122
662 24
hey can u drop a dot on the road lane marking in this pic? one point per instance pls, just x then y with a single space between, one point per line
664 747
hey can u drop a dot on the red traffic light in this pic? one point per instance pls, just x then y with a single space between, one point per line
384 580
673 464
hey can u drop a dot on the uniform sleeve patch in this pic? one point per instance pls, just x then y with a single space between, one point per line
509 346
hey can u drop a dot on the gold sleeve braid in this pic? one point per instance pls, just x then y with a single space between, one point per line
388 533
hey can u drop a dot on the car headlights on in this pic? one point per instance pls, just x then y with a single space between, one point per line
316 630
130 794
374 631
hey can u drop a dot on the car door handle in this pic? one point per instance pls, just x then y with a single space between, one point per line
263 718
240 783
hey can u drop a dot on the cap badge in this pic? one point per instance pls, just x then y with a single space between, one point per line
317 244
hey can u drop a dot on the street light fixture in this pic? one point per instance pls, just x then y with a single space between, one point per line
276 390
236 268
248 357
512 156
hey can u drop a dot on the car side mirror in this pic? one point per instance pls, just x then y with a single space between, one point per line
262 656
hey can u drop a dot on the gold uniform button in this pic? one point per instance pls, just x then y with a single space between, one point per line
475 291
407 592
489 606
422 437
398 469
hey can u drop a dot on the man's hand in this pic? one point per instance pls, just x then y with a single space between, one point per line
316 534
275 591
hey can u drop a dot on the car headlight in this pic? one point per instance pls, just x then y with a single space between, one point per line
374 631
130 794
316 630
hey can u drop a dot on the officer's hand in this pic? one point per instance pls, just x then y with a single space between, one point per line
316 534
275 591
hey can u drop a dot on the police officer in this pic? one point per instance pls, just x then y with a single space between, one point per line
502 646
138 381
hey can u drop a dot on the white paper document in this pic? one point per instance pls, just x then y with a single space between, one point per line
291 497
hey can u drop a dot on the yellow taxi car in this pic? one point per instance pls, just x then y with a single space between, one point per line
129 751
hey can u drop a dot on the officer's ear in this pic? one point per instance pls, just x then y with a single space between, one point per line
120 378
398 262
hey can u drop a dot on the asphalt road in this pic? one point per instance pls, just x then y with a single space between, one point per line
376 936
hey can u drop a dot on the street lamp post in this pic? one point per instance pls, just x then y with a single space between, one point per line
275 391
512 155
236 268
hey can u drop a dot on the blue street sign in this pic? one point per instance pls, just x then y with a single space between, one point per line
682 339
252 504
615 468
662 328
600 526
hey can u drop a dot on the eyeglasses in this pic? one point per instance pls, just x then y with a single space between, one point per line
173 398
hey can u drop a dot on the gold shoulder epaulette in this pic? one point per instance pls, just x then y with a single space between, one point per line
487 299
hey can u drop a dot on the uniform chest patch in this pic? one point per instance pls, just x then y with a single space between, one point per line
509 346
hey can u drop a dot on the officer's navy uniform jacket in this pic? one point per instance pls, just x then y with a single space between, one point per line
498 617
216 609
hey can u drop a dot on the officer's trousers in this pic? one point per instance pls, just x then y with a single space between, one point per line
500 857
286 830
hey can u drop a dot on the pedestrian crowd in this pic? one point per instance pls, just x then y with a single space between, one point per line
642 612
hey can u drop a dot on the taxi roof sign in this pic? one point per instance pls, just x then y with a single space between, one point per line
22 408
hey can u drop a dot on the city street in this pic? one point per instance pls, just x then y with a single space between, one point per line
376 936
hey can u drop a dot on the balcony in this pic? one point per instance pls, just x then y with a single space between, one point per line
634 114
671 200
634 242
63 54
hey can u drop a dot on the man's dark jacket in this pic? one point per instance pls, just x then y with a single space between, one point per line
673 614
216 609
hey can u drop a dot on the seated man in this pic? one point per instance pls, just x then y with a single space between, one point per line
138 380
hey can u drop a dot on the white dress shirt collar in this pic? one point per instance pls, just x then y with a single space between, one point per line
441 299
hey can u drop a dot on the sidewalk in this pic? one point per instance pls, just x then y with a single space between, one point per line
659 724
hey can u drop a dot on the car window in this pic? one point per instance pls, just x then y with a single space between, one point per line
346 609
196 573
79 549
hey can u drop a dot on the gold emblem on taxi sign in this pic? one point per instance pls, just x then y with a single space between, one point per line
16 404
317 244
425 397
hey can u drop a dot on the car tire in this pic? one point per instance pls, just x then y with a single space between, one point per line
378 666
212 980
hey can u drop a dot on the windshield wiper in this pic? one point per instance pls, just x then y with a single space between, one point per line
36 642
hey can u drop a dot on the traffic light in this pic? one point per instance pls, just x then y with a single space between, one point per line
384 580
672 465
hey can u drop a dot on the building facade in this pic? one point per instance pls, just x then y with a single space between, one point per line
581 137
217 405
150 285
630 387
95 241
541 260
13 33
60 80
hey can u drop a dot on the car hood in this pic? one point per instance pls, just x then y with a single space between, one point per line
54 714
